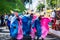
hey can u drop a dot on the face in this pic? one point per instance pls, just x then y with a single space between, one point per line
16 13
31 15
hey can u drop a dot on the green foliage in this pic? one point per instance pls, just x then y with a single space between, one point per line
52 3
7 5
40 6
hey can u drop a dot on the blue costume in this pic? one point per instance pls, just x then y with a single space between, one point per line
38 27
14 29
26 26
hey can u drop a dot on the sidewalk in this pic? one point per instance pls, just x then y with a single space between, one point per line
54 32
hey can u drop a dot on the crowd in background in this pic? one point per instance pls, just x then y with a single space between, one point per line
3 20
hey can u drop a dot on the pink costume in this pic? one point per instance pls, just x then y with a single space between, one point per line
45 27
20 32
33 30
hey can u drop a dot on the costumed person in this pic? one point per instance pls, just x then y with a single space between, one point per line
45 27
9 20
33 29
14 27
20 31
38 27
26 27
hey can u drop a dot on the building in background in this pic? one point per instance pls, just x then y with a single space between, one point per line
32 4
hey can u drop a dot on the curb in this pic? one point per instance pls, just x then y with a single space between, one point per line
54 32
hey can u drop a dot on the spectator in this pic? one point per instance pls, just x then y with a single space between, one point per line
2 20
53 15
6 18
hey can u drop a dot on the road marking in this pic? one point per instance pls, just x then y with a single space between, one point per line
4 33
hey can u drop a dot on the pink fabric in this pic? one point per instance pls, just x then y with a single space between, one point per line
32 33
34 18
33 30
45 27
20 32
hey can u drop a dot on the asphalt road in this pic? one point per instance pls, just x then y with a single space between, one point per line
5 35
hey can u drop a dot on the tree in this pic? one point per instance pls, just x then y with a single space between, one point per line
40 6
7 5
52 3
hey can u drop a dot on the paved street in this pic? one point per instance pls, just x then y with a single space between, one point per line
4 35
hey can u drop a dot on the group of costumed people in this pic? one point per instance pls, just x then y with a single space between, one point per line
21 26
